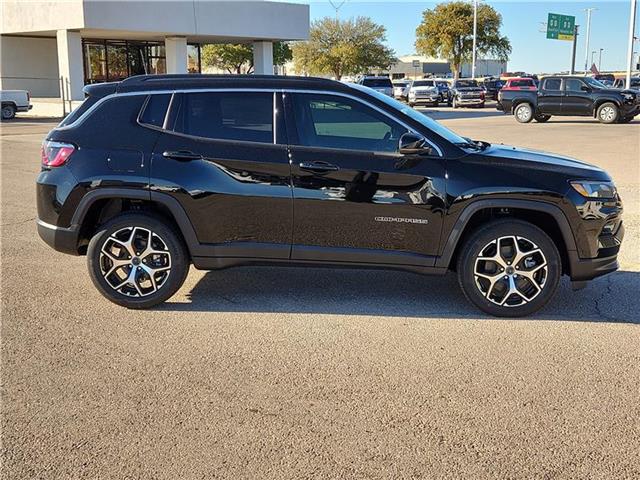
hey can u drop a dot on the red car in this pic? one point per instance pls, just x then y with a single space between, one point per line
520 84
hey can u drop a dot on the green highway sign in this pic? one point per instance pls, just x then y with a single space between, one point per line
561 27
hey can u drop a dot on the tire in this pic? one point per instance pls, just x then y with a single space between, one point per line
481 105
412 104
542 118
108 246
454 103
8 112
518 289
608 113
523 112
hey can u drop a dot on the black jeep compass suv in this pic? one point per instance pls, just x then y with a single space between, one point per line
154 173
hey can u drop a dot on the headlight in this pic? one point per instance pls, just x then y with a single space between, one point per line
595 189
628 96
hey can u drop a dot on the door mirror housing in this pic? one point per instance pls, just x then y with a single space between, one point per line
584 88
414 144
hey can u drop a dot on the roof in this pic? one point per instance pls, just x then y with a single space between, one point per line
189 81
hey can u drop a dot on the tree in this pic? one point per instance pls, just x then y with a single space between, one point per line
447 32
238 57
343 47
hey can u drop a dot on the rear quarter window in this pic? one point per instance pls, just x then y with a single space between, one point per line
155 110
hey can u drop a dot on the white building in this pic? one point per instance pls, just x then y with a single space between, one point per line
49 45
416 66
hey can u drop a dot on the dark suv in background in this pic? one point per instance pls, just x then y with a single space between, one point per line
155 173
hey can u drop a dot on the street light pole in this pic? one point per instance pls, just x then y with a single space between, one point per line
475 35
600 60
586 48
632 28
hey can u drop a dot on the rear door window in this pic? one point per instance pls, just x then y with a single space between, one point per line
240 116
552 84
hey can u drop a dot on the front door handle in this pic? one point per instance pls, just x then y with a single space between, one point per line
319 166
182 155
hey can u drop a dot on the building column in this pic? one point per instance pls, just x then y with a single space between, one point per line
176 52
70 64
263 58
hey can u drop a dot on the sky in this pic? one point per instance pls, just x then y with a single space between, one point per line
521 23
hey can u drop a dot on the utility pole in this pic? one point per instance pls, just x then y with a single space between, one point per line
632 28
600 60
475 35
337 6
586 48
573 50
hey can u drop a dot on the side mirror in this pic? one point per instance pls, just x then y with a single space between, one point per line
412 144
584 88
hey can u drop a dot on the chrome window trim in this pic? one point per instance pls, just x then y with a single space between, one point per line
82 118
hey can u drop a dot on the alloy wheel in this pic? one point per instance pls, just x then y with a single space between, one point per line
510 271
135 261
608 114
523 113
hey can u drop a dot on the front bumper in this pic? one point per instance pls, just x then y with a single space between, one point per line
469 101
64 240
583 269
429 99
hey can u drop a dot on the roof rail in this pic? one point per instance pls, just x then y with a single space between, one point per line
139 79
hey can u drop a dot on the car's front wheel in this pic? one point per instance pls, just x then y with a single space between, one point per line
137 260
608 113
542 118
509 268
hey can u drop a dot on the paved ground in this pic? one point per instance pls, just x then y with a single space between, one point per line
264 373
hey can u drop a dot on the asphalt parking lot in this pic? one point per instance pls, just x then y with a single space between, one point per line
303 373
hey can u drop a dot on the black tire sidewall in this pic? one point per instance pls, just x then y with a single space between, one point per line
179 259
499 228
12 109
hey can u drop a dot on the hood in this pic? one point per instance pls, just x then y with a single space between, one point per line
538 160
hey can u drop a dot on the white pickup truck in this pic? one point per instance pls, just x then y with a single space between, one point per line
14 101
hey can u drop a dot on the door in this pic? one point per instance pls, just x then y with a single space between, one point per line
577 97
221 160
356 199
550 96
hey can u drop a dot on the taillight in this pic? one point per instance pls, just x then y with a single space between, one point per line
55 154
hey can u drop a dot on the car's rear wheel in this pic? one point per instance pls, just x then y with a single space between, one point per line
509 268
8 112
608 113
542 118
454 103
137 260
523 113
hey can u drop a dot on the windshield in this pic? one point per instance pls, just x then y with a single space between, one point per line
423 83
466 83
376 82
429 123
594 83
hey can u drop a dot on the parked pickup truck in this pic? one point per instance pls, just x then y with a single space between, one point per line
14 101
570 95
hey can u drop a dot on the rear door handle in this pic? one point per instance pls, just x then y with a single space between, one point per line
182 155
319 166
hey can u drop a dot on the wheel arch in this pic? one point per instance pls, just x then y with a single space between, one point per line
519 101
546 216
98 206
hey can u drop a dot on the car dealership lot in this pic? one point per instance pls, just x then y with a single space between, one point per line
258 372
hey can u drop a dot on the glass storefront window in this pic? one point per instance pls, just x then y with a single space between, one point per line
113 60
95 63
193 58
